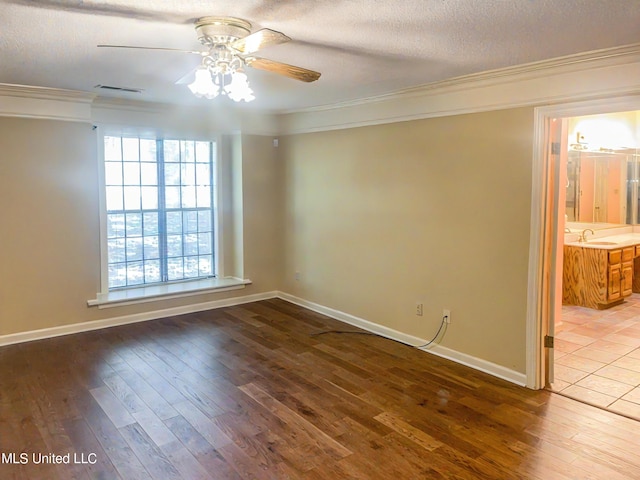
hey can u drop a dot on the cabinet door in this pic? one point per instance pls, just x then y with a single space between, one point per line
627 254
627 279
614 284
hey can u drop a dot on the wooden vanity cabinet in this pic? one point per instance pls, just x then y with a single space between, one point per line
620 279
595 277
628 254
636 271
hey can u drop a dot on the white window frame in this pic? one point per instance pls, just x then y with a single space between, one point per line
161 291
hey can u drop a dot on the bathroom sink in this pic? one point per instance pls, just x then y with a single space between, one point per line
602 243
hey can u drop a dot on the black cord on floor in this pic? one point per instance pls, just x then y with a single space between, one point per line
442 324
343 331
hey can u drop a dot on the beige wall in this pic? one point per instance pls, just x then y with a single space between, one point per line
375 219
49 234
436 211
49 248
262 211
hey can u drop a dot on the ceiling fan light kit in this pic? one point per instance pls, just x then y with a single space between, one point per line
229 47
235 86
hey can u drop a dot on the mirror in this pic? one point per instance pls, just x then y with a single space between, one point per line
602 169
602 186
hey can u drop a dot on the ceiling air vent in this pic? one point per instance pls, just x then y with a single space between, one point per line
119 89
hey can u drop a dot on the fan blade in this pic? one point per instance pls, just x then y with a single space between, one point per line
188 77
154 48
290 71
258 40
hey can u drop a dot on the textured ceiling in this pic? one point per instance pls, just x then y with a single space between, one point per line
363 48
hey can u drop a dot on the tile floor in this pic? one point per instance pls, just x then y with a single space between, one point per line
597 356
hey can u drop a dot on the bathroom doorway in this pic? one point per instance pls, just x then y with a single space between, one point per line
594 302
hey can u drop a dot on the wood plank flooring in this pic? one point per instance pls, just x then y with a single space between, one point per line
248 392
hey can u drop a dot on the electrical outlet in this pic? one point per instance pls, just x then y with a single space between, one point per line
419 309
446 314
297 276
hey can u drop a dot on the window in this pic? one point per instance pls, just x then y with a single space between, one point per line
159 210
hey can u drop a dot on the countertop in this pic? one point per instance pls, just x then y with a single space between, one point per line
610 242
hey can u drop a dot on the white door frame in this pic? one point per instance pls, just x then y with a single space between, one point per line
539 264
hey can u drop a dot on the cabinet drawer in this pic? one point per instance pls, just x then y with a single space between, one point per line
615 256
637 250
627 254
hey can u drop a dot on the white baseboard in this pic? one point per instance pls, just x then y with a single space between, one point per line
444 352
479 364
125 319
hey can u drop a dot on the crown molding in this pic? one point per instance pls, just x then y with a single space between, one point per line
183 119
568 63
597 74
113 103
605 72
46 93
79 106
44 102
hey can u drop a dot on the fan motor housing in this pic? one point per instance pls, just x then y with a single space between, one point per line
221 30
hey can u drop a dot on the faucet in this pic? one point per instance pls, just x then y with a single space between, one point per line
583 235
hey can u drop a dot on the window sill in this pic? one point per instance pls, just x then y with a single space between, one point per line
154 293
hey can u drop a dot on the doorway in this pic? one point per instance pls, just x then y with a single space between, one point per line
589 174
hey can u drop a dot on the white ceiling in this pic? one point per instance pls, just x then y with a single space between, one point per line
362 47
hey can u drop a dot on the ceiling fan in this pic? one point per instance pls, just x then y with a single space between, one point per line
229 47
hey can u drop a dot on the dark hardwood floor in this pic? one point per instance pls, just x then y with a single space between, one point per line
250 392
